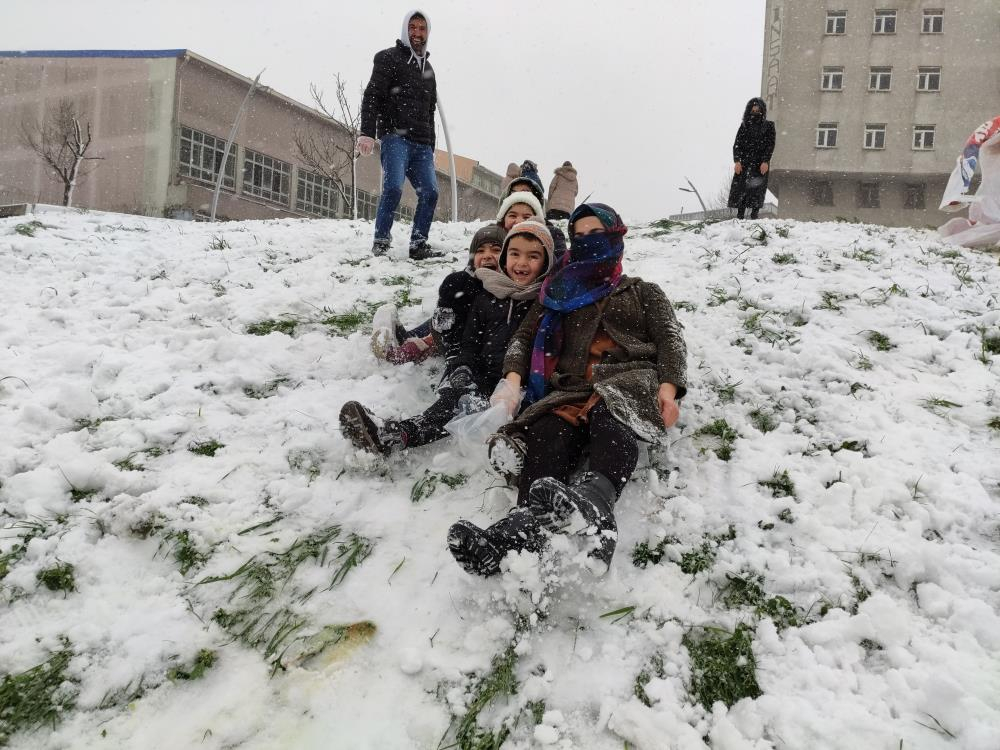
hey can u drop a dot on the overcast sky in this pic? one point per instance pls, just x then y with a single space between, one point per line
637 94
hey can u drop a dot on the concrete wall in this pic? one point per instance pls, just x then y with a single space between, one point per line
128 102
796 50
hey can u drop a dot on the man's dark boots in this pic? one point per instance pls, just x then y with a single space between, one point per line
479 551
593 496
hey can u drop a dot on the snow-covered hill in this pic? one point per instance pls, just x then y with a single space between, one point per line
193 557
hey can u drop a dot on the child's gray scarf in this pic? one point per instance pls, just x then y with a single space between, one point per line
502 286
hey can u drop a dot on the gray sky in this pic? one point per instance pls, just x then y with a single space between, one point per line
637 94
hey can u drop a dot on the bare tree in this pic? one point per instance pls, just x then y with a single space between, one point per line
62 142
334 157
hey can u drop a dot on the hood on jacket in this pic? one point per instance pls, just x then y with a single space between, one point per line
566 170
404 36
746 111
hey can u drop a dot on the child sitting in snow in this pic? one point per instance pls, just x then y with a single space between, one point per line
392 343
473 367
604 362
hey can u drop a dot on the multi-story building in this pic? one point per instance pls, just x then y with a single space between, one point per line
160 120
873 101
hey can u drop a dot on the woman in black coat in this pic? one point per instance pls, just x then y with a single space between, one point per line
752 151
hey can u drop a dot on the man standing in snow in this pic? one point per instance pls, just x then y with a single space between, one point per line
398 109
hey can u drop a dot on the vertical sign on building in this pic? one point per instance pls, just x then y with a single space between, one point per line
773 56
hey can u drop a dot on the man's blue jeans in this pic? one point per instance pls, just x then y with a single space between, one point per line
404 159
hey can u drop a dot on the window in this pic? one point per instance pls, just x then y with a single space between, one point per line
820 193
879 79
832 80
928 79
402 213
367 204
875 136
265 177
915 196
923 137
315 194
826 135
836 21
885 22
868 196
201 156
933 22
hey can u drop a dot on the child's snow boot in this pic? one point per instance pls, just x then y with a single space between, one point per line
592 496
385 331
412 350
359 426
506 455
479 551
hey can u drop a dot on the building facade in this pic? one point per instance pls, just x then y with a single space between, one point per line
160 120
873 100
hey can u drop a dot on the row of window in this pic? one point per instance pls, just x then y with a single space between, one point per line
268 178
879 78
827 133
884 21
868 195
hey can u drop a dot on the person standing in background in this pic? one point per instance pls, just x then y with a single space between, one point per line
398 109
752 151
562 193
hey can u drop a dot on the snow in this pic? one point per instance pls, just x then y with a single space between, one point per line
142 323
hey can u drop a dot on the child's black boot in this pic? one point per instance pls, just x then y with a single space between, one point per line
592 496
359 426
479 551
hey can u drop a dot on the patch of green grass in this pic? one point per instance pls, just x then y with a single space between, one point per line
862 362
341 324
758 234
425 486
207 448
78 494
935 403
264 327
653 668
59 577
40 696
396 281
719 295
726 390
351 554
861 592
748 591
643 554
218 243
880 341
185 552
685 305
31 530
699 559
725 435
763 420
500 682
993 424
830 301
203 661
28 229
306 462
147 527
126 464
786 516
266 390
784 258
723 667
196 500
865 256
91 425
781 485
990 345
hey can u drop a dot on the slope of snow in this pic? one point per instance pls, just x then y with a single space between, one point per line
124 345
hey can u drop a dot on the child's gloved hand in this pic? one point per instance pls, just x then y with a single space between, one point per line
461 379
509 395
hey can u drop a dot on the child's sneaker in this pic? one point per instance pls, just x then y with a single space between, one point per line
358 425
506 456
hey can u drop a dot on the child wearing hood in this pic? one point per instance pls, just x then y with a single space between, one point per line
603 360
473 366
